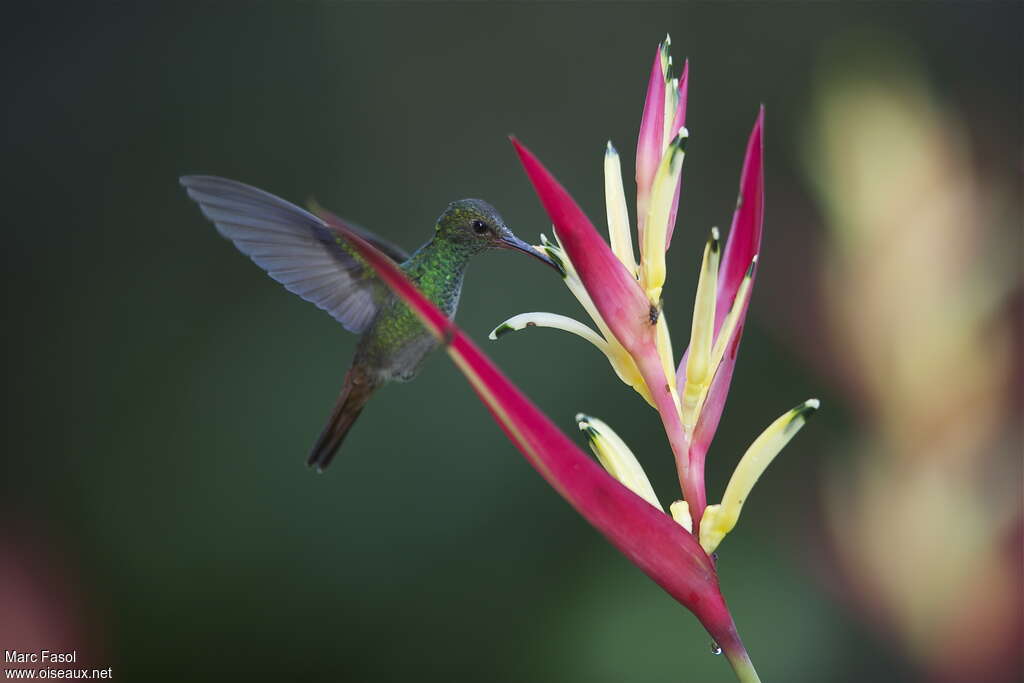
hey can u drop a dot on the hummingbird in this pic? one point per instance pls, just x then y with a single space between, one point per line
310 258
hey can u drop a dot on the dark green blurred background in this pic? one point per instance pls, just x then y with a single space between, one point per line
163 392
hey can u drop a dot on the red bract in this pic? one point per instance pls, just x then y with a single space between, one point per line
744 242
649 145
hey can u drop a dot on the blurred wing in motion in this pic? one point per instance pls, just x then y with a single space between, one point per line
296 248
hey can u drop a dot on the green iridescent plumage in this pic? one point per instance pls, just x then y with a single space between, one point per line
303 252
396 336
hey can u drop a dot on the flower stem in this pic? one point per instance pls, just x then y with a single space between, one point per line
694 491
742 666
721 627
691 480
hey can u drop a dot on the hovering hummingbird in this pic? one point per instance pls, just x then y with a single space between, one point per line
310 258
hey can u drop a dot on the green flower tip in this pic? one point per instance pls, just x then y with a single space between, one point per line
714 240
802 413
679 143
809 406
557 261
583 422
750 273
500 330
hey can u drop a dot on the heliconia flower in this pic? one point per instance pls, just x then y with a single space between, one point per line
623 297
639 528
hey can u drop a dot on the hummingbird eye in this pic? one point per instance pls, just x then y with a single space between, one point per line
479 227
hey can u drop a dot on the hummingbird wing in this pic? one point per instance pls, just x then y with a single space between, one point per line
295 247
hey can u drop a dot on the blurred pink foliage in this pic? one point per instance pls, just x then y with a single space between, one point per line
42 602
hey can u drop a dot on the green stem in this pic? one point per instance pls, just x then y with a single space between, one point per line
741 664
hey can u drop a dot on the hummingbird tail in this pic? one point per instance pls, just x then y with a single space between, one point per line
354 395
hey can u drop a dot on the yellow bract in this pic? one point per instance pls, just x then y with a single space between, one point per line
733 317
615 456
681 513
618 215
699 371
663 191
718 520
725 335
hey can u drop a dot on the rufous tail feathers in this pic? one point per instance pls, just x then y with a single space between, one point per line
354 394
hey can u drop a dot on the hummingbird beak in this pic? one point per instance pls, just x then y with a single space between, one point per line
510 241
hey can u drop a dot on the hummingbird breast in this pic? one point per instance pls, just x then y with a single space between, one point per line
395 345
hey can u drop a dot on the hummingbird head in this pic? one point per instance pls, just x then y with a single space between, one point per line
478 225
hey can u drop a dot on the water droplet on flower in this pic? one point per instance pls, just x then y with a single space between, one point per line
716 649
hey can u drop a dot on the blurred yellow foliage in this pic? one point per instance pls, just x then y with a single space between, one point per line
916 272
